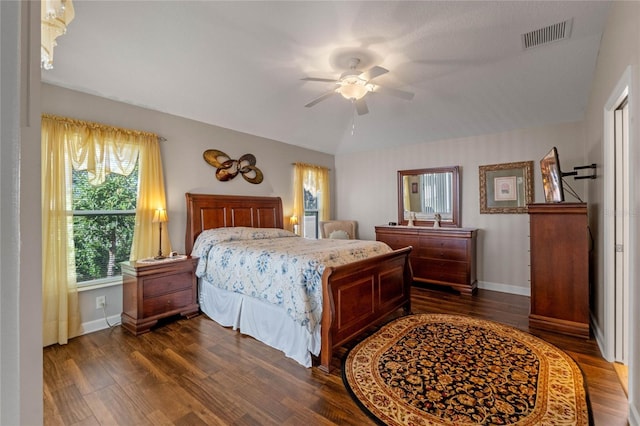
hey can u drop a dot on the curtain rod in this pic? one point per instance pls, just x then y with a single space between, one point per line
94 124
310 165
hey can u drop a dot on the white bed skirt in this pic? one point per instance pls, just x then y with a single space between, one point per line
262 321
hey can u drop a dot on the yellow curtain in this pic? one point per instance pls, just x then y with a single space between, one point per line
315 178
322 179
74 144
151 196
60 313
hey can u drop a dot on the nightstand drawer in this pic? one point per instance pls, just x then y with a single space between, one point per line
167 284
166 303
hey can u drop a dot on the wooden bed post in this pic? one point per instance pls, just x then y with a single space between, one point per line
326 342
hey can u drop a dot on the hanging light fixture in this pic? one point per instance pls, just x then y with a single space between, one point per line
352 85
55 15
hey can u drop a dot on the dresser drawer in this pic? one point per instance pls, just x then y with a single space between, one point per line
166 303
167 284
451 249
443 270
398 241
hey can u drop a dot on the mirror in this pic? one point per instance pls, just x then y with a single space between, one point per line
427 192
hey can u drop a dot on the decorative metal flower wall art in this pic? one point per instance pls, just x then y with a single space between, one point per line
228 168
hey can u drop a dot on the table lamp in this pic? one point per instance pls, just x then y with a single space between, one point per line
159 217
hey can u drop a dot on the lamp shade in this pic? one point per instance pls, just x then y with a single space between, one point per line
160 216
293 220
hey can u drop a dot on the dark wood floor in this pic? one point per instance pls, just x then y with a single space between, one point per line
194 372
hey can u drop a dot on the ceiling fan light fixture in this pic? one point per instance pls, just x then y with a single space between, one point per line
353 88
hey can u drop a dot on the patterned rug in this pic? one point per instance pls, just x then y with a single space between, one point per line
434 369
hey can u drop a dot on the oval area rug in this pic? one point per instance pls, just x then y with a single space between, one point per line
439 369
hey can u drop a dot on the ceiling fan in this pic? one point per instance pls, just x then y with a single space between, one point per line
354 85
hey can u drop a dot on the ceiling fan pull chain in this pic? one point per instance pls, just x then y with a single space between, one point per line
353 119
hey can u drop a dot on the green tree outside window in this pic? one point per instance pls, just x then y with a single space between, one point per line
103 223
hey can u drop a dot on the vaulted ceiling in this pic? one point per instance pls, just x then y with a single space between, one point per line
240 65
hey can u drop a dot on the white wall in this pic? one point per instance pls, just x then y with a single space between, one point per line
20 248
184 167
367 191
620 48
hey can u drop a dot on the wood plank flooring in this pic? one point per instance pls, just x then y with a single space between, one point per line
195 372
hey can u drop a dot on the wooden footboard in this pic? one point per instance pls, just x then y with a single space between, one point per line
361 294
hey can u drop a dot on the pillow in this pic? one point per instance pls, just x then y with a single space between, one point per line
209 237
339 235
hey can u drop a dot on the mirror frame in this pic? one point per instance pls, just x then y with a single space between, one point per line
455 202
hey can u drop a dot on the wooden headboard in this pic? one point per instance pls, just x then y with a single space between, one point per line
205 211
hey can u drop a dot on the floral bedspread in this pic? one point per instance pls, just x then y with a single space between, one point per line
276 265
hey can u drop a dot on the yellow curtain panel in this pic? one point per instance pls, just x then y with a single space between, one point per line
69 144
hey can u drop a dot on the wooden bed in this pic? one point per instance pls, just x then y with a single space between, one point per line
355 296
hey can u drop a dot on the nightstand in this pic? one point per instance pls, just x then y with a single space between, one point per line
152 290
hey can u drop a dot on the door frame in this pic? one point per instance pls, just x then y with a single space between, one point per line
625 88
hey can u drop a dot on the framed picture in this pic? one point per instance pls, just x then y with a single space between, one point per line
414 187
506 188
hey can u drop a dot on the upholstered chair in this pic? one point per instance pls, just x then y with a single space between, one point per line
336 229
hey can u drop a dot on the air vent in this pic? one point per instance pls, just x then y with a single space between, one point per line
546 35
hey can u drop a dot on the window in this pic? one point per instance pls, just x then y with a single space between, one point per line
103 224
311 196
437 189
310 226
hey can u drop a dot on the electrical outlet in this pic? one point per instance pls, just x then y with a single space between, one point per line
101 301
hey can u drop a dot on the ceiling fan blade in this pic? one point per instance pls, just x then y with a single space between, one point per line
394 92
321 98
361 106
373 73
327 80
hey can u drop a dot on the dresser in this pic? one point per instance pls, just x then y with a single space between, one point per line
442 256
559 244
155 290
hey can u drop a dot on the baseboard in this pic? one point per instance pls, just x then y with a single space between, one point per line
100 324
599 337
504 288
634 415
